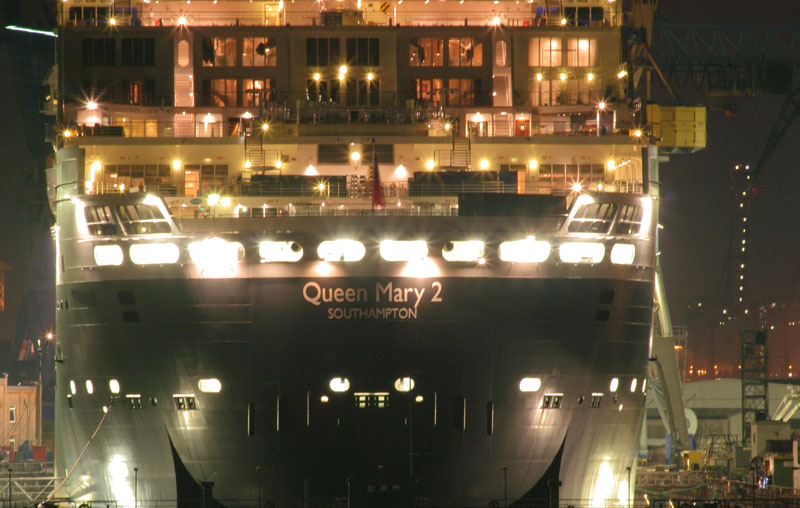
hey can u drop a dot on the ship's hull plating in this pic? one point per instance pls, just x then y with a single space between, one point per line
464 435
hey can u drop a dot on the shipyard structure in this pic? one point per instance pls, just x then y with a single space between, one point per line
323 253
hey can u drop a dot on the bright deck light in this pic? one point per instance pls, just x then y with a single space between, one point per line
355 156
400 171
404 384
430 164
581 252
339 384
530 384
395 250
107 255
484 164
272 252
216 257
463 250
311 170
421 268
341 250
528 250
623 253
154 253
209 385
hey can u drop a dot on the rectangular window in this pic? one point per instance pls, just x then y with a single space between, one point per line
464 52
219 92
259 52
460 92
547 92
593 218
134 401
385 153
333 154
363 51
378 400
254 91
98 52
12 413
629 220
142 219
581 52
544 52
581 91
184 402
322 51
552 400
426 52
430 90
219 52
138 51
597 400
139 92
99 220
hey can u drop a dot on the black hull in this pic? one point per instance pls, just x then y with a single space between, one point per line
267 435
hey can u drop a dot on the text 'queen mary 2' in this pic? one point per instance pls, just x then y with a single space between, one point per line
341 255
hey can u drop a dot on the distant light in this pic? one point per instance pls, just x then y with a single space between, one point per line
182 20
590 76
563 21
601 105
611 165
343 69
89 387
613 385
16 28
311 170
91 105
633 385
563 76
530 384
370 76
279 164
539 76
430 164
96 166
419 398
67 133
176 164
576 187
533 164
113 385
324 399
528 250
248 164
400 171
341 77
247 115
317 76
638 133
355 156
339 384
112 21
265 127
622 74
496 21
213 199
225 201
209 385
72 388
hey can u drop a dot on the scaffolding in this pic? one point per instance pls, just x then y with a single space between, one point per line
754 379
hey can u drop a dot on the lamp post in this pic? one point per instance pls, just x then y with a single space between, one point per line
258 481
135 487
505 486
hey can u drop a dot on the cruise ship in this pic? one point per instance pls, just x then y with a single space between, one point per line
350 253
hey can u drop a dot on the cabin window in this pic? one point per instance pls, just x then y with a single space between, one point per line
430 90
629 221
464 52
593 218
12 413
219 52
581 52
378 400
544 52
185 402
259 52
597 400
100 221
142 219
552 400
426 52
254 91
134 401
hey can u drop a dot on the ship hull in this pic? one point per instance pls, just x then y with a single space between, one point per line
276 431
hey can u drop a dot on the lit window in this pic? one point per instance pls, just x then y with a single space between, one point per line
552 400
394 250
404 384
12 413
341 250
633 385
613 385
529 250
185 402
597 400
89 387
107 255
210 385
339 384
467 251
378 400
581 252
72 388
271 252
154 253
134 401
530 384
113 385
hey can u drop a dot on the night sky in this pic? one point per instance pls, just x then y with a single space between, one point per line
695 191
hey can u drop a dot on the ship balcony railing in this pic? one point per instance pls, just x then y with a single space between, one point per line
402 16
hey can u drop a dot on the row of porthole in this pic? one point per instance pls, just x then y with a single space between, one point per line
533 384
218 252
342 384
205 385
